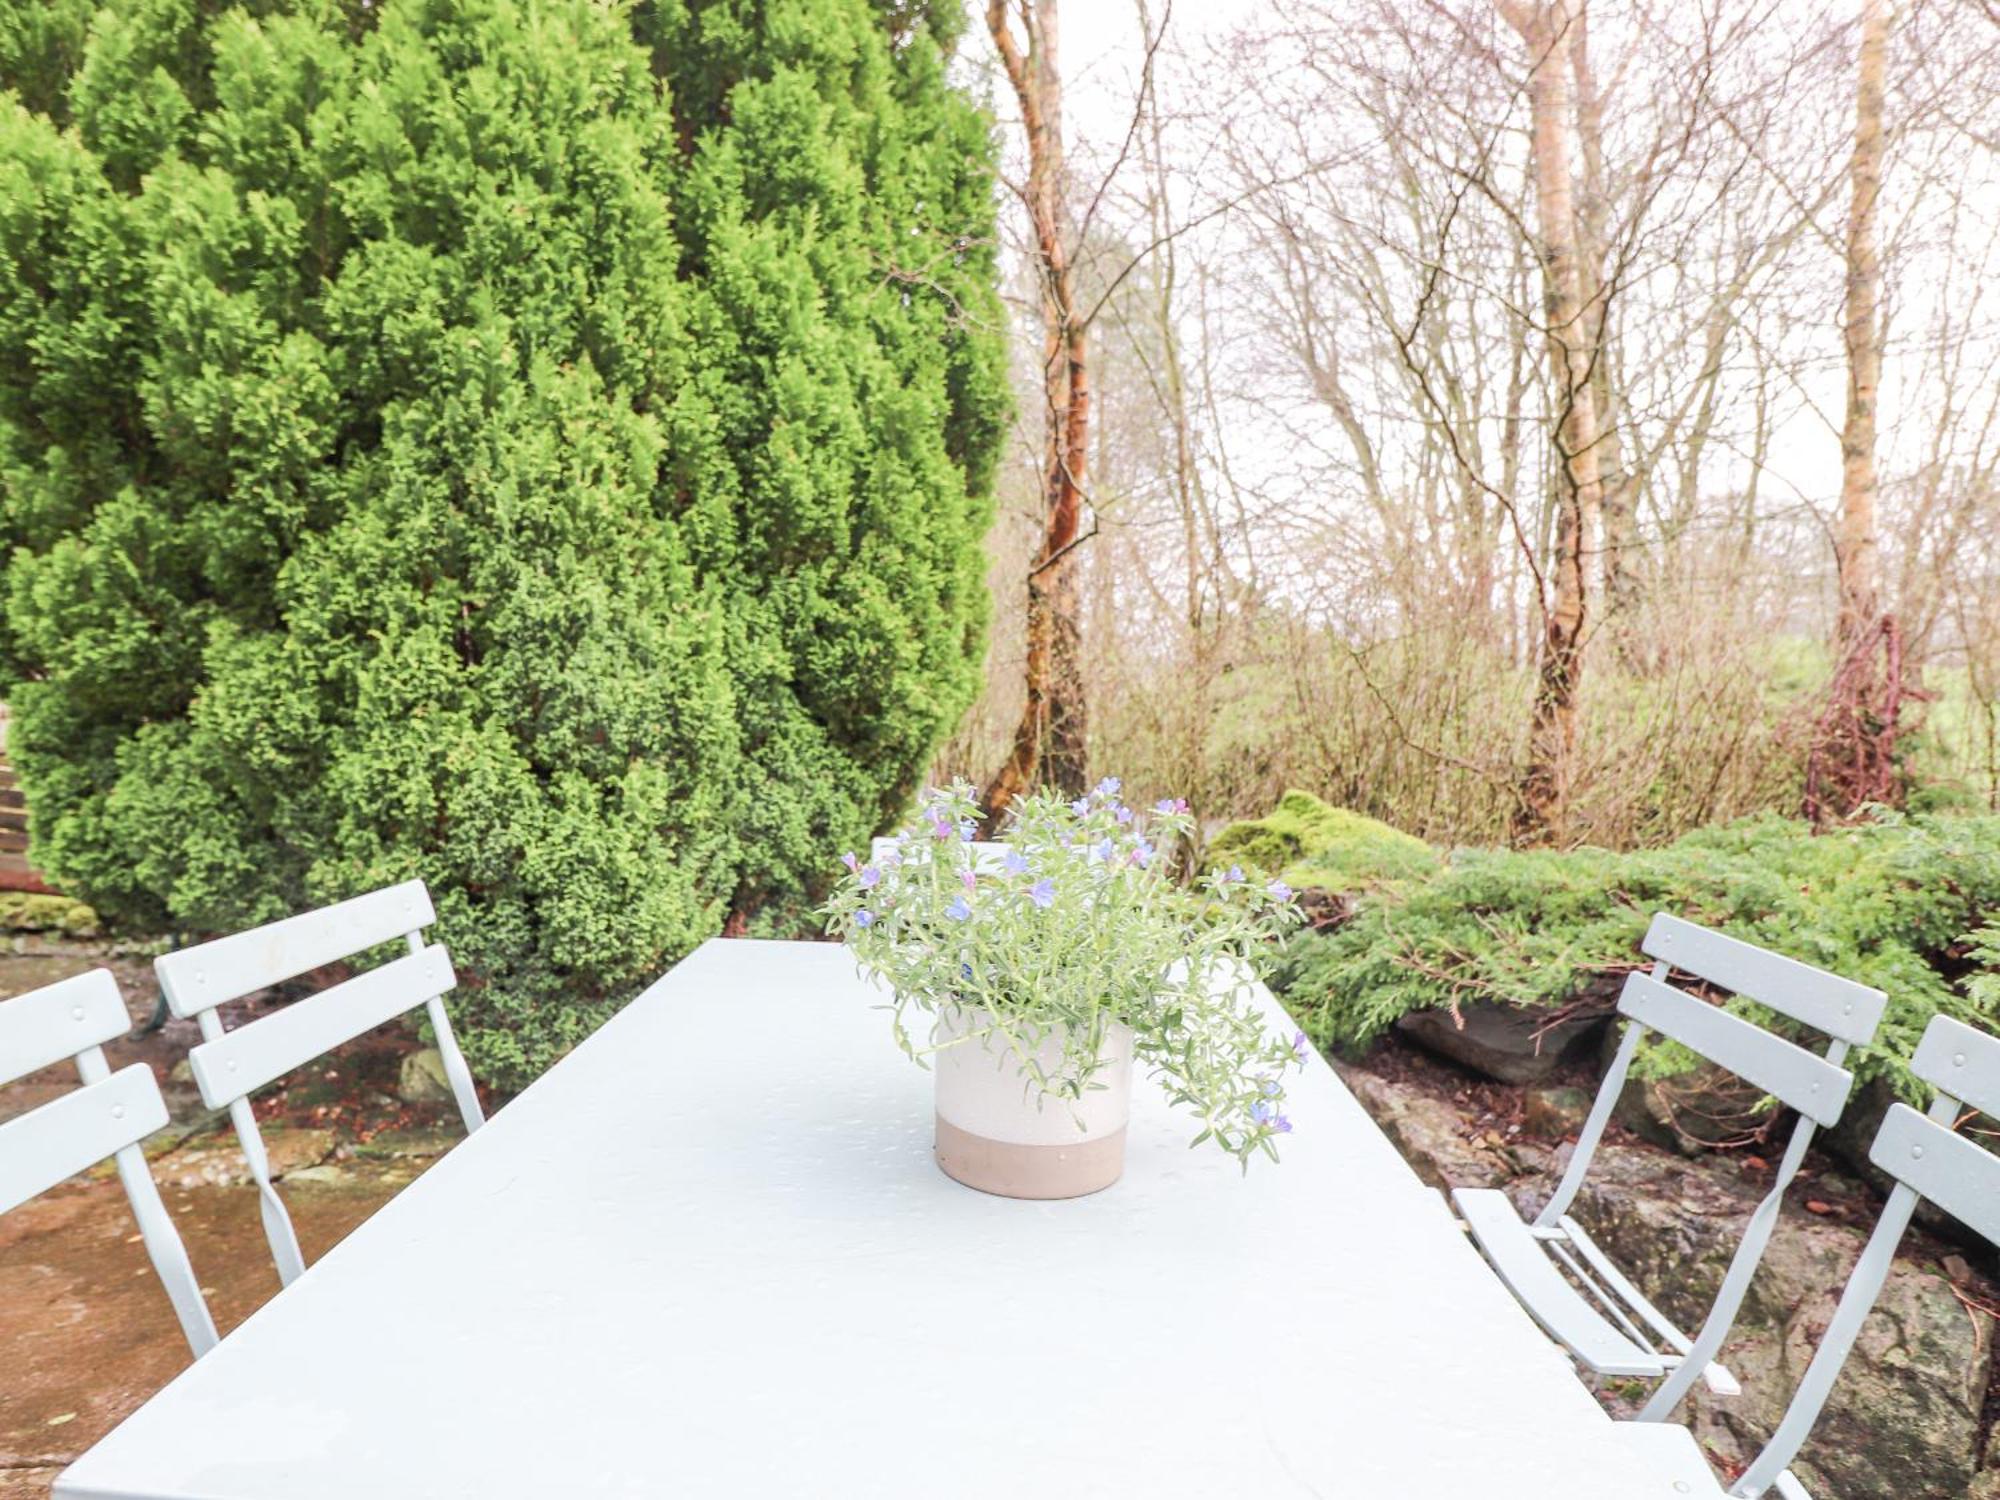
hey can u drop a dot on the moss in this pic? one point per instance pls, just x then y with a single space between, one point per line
23 911
1310 843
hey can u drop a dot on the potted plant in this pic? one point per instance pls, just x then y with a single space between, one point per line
1049 965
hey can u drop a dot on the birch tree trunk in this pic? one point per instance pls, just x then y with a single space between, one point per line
1543 790
1050 742
1855 544
1620 548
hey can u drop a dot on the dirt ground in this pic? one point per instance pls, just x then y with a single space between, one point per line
86 1333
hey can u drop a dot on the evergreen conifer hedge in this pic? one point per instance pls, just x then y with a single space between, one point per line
537 445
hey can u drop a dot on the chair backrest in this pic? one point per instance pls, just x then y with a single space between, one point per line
1927 1159
229 1066
106 1118
1814 1085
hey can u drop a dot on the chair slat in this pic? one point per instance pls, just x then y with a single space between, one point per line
1962 1062
79 1130
1826 1002
1515 1253
199 978
58 1021
1951 1170
1807 1082
244 1060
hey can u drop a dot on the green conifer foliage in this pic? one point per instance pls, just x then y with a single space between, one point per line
538 445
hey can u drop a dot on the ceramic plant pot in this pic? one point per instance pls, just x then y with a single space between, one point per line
997 1132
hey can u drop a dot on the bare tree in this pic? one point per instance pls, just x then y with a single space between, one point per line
1545 26
1051 740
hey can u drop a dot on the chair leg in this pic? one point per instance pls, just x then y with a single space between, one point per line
455 1070
278 1229
169 1254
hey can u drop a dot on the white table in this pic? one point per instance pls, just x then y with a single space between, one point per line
709 1255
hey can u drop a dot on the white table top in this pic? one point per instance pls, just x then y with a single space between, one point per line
709 1255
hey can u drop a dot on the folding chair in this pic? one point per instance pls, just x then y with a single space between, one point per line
1928 1161
229 1066
108 1116
1609 1326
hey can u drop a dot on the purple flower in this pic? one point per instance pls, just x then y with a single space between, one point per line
850 861
1270 1087
1042 893
1165 805
1081 807
870 877
1261 1112
968 879
864 918
1016 862
1104 850
1142 854
1283 1125
1277 890
959 909
940 829
1299 1046
1233 874
1109 786
1122 813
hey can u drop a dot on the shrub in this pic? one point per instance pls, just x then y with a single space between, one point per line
1896 904
1311 844
539 447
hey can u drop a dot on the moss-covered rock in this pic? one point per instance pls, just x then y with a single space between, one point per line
26 911
1310 843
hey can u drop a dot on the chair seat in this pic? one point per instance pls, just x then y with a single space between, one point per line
1671 1452
1559 1307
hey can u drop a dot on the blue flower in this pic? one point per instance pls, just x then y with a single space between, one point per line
1277 890
870 877
850 861
1081 807
1165 805
1016 862
959 909
1233 874
864 918
1104 850
1299 1046
1122 813
1283 1125
1109 786
1261 1112
1042 893
1270 1087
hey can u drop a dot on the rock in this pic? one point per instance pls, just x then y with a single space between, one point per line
1431 1136
1905 1417
422 1080
1553 1114
1694 1112
217 1160
1513 1043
